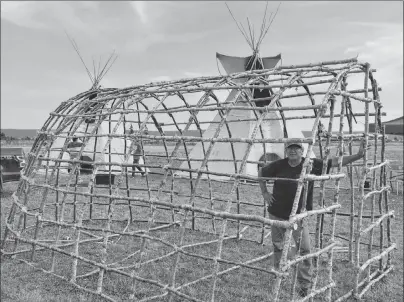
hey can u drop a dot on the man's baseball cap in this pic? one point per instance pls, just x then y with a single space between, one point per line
294 144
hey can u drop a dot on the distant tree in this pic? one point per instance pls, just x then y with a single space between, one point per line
131 131
2 135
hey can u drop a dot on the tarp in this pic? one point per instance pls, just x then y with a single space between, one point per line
238 64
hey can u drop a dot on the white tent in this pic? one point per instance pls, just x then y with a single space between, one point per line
223 152
115 152
224 155
93 150
94 147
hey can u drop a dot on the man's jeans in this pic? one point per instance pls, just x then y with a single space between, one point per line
278 234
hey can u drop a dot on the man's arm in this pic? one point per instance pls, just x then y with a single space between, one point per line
268 198
262 183
350 158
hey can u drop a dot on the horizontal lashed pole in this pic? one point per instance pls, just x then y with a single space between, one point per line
81 213
339 77
206 139
350 293
125 92
224 271
215 78
287 237
291 79
292 95
378 166
201 89
260 219
376 192
168 170
295 95
259 109
196 109
377 257
329 247
377 222
197 181
184 89
356 97
373 281
45 193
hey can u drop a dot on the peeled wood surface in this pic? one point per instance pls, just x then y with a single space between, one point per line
185 207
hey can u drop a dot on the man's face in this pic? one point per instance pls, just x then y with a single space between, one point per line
294 152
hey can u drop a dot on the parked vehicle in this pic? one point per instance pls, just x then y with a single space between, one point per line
12 161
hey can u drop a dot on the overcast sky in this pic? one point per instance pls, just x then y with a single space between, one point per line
171 40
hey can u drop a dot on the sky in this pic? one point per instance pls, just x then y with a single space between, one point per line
157 41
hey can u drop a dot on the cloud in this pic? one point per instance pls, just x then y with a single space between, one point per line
140 9
387 45
384 53
161 22
143 41
51 16
377 25
20 13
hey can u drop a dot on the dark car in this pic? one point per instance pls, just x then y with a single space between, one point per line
12 161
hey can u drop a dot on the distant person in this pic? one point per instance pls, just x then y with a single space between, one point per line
136 158
74 143
280 202
73 148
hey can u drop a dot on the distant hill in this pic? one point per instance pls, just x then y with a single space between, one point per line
20 133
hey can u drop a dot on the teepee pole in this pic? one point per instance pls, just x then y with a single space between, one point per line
263 23
81 58
106 68
238 26
251 30
269 25
94 67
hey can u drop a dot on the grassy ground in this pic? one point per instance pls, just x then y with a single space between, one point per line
19 282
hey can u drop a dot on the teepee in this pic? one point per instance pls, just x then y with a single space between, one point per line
97 148
242 122
160 237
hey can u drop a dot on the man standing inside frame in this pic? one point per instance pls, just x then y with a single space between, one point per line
280 202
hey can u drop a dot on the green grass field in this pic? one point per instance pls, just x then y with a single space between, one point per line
20 282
